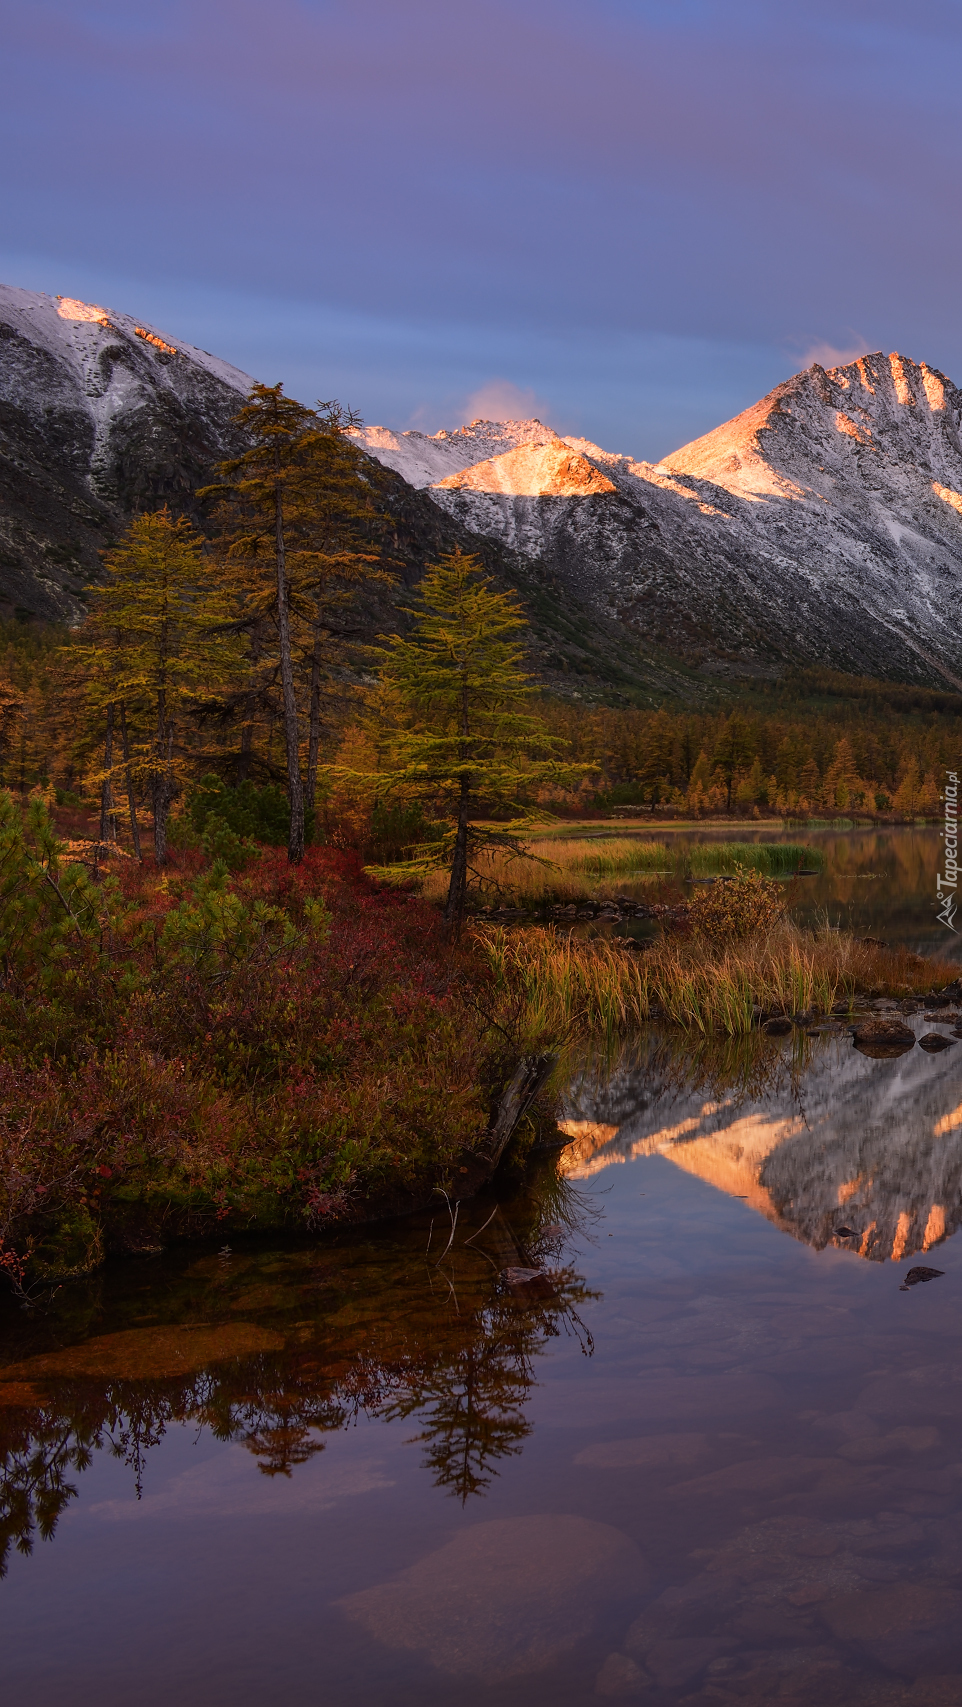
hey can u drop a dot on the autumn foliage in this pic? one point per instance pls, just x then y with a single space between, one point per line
181 1048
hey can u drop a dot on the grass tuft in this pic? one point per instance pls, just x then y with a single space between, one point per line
597 988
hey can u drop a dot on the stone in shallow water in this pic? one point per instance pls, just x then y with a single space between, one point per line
933 1041
648 1452
918 1276
882 1038
897 1610
504 1598
621 1679
149 1354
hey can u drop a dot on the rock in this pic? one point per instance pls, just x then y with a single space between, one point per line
934 1042
648 1452
621 1678
503 1599
845 1233
528 1283
883 1038
918 1276
777 1027
675 1662
900 1608
148 1354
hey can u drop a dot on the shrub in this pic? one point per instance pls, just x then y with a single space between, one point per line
267 1044
258 814
745 905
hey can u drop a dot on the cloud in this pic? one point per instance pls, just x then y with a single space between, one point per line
228 1485
501 400
830 355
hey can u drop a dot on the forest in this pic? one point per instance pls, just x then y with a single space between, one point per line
213 1009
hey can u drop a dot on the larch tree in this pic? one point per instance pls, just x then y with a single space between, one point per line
292 514
451 714
156 643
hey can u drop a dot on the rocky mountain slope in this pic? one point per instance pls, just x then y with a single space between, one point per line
823 525
100 415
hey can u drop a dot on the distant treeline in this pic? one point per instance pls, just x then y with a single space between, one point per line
820 744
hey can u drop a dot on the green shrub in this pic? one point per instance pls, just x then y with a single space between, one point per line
252 813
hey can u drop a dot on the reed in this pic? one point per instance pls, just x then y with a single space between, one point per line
576 988
576 869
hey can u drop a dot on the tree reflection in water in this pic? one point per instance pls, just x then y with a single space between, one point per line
362 1326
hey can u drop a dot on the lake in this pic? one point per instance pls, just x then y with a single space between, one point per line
875 880
710 1454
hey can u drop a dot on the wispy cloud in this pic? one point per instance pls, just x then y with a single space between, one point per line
501 400
832 355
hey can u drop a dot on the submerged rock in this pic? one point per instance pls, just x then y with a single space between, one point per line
505 1598
933 1041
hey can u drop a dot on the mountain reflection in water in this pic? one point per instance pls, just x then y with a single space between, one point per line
276 1349
814 1135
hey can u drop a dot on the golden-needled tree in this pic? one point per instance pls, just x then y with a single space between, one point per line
294 515
454 730
156 643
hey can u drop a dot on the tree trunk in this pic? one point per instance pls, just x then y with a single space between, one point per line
131 803
161 791
457 889
246 748
314 737
295 791
108 821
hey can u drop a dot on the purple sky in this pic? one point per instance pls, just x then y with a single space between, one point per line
631 217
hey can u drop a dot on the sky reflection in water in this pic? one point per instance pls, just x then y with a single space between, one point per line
715 1463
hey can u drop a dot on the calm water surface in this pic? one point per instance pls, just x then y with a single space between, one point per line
715 1456
879 881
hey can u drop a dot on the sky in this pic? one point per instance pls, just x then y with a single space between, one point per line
631 218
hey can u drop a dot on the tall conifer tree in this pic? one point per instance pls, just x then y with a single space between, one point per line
155 645
451 712
294 509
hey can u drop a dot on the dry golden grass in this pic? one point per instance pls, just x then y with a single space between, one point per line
579 868
571 987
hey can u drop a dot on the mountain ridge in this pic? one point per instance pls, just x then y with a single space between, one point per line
822 525
100 415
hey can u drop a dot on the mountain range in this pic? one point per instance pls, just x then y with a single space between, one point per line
822 526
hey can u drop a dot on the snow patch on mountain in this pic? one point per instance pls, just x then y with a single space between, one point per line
533 471
822 524
100 415
426 460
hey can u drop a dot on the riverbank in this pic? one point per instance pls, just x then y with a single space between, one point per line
204 1049
235 1044
574 988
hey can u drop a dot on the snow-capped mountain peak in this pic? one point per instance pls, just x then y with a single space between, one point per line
823 523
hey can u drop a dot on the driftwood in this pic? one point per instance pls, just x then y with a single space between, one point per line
520 1091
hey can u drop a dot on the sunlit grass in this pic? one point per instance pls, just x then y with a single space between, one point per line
578 869
572 988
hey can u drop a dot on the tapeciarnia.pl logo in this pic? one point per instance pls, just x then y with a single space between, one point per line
947 881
